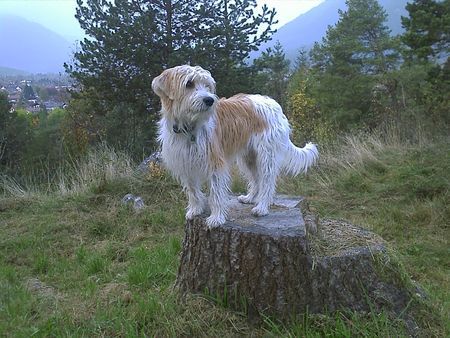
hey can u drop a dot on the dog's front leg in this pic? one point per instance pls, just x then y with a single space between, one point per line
218 198
196 199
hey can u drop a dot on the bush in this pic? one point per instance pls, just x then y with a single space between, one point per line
306 120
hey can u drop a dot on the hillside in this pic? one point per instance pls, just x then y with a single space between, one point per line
79 263
31 47
6 71
311 26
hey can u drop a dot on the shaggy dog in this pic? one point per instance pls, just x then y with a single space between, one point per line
201 136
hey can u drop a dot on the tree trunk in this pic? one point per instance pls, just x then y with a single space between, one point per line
282 266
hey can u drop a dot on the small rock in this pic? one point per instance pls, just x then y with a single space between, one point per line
138 202
128 198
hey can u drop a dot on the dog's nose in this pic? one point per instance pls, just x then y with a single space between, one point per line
209 101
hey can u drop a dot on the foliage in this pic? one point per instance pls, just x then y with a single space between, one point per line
46 149
272 73
28 93
306 120
427 29
229 31
351 63
426 37
352 81
305 117
4 110
117 76
31 145
301 71
15 135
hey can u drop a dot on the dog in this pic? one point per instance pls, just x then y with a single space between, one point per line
201 136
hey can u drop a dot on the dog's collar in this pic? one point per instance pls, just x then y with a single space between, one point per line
186 130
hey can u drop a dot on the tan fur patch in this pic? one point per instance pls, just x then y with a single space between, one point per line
237 120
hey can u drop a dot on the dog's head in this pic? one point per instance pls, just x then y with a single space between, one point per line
187 96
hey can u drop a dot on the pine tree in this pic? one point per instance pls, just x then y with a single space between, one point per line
300 73
427 29
230 31
272 68
353 58
28 92
427 38
130 42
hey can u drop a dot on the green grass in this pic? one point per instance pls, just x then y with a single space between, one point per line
76 262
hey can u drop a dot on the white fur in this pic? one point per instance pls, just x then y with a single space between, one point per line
265 155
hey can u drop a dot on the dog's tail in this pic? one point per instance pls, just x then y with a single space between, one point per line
298 160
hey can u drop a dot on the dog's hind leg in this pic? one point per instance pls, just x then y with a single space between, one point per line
268 169
247 166
196 198
218 198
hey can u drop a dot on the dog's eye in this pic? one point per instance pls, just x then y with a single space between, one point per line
190 84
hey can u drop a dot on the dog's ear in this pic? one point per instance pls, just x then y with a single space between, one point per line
160 85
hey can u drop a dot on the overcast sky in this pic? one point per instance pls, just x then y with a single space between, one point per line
58 15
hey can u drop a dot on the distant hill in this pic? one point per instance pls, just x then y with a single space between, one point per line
311 26
6 71
31 47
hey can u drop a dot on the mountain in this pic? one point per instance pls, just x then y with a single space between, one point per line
311 26
6 71
31 47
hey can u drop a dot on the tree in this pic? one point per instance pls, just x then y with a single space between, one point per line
305 117
301 72
353 59
15 135
4 110
230 30
28 92
427 38
46 153
427 29
272 68
130 42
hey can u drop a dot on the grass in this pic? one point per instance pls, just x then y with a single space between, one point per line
400 192
74 261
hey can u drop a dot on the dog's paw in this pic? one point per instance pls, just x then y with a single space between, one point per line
192 212
245 199
214 221
260 211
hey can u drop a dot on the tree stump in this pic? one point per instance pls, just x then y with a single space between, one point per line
288 263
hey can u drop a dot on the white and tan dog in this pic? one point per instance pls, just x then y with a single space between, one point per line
202 135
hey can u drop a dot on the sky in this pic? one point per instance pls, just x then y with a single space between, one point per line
58 15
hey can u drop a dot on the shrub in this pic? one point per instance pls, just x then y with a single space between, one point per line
306 120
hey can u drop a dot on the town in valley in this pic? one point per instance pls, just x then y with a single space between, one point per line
37 92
